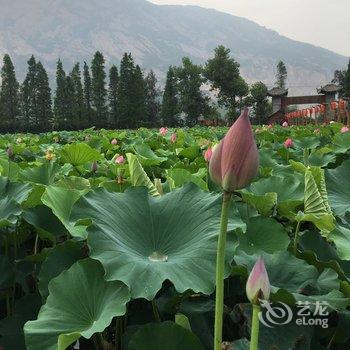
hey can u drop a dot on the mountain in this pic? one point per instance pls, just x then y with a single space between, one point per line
157 36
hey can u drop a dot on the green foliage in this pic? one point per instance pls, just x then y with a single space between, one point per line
281 75
113 96
170 103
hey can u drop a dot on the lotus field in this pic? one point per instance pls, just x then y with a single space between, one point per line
109 239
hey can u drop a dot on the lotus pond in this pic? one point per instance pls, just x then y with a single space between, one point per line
108 240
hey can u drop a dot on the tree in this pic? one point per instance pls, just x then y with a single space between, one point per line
261 106
223 73
113 96
192 101
138 96
78 98
346 88
281 75
152 99
126 84
29 94
242 91
170 104
61 109
99 92
43 113
9 94
87 95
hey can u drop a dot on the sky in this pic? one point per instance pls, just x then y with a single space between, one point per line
324 23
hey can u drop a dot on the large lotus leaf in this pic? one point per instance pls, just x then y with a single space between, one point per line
143 241
341 238
11 327
338 187
61 201
59 258
16 191
146 156
138 176
321 159
167 335
79 154
307 142
74 183
86 307
341 143
263 234
44 174
178 177
9 211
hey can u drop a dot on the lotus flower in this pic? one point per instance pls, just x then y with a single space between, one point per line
120 160
258 284
94 167
344 129
114 142
317 131
207 154
163 131
10 152
285 125
270 126
173 138
235 161
288 143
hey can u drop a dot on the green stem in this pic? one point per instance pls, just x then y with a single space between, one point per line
220 268
8 307
296 238
254 337
155 311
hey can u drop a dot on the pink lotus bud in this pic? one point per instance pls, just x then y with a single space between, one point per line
285 125
258 284
288 143
270 126
94 167
120 160
114 142
207 154
163 131
173 138
317 131
9 152
235 161
344 129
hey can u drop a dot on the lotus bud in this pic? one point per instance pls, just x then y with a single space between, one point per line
173 138
120 160
9 152
114 142
285 125
288 143
207 154
344 129
94 167
258 284
235 161
317 131
163 131
270 126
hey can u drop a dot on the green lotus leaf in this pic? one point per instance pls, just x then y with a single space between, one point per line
86 307
167 335
74 183
341 143
178 177
61 201
79 154
341 238
138 176
17 191
146 156
338 187
44 174
143 241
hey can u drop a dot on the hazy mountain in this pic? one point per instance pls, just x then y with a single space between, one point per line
157 36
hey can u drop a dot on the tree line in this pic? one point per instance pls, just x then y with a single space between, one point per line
127 97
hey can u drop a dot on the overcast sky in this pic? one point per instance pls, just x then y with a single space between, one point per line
323 23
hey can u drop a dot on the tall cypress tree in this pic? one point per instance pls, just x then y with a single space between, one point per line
281 75
126 84
29 94
87 95
43 115
113 96
78 98
346 88
170 104
9 95
152 99
138 102
99 92
60 101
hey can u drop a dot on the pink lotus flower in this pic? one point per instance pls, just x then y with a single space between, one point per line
317 131
119 160
258 284
235 161
288 143
344 129
163 131
114 142
285 125
173 138
207 154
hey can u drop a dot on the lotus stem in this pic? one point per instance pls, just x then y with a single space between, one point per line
155 311
220 268
296 238
254 337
